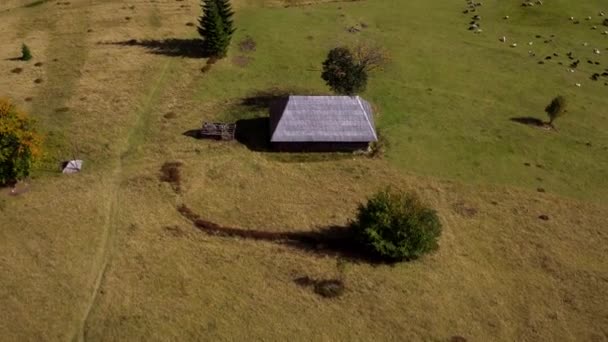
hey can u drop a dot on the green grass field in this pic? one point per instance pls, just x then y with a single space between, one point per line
105 255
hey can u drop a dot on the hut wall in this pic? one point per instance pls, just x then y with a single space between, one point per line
319 146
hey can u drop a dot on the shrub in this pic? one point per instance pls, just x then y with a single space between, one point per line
19 143
556 108
26 54
342 73
397 226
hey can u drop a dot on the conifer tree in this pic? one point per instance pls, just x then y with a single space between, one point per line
216 27
226 14
26 54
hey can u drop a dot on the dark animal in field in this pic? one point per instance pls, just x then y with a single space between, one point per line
575 64
595 76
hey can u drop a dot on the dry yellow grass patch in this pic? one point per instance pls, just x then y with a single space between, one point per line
104 255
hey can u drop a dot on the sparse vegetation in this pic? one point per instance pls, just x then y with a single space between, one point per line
19 143
370 56
26 54
397 226
556 108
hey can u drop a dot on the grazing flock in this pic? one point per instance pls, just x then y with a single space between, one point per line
574 61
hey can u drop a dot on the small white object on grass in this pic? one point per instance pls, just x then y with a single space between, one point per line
530 43
506 17
571 70
571 18
585 44
588 18
596 51
594 27
503 39
605 33
514 45
602 14
578 84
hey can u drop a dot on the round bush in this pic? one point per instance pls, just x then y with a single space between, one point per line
397 226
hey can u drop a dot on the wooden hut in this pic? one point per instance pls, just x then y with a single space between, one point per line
321 124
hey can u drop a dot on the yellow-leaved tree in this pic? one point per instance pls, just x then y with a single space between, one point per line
20 145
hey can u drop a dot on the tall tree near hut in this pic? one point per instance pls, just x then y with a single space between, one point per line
216 27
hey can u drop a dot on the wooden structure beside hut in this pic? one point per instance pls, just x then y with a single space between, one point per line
218 131
321 124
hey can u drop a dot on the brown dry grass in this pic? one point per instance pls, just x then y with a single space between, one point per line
105 255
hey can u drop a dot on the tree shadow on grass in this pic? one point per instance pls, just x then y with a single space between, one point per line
327 241
173 47
265 99
528 120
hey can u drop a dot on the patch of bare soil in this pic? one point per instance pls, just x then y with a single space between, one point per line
170 173
241 61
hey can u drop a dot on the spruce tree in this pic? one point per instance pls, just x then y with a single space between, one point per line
226 14
216 27
26 54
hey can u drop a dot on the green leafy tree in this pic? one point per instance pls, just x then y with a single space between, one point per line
556 108
342 73
19 143
397 226
26 54
216 27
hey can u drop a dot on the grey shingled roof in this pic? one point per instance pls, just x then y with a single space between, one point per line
322 119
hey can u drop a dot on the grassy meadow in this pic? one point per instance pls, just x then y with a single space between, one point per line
105 255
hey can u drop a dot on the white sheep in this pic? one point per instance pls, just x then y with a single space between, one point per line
530 43
503 39
514 45
596 51
571 18
578 84
506 17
